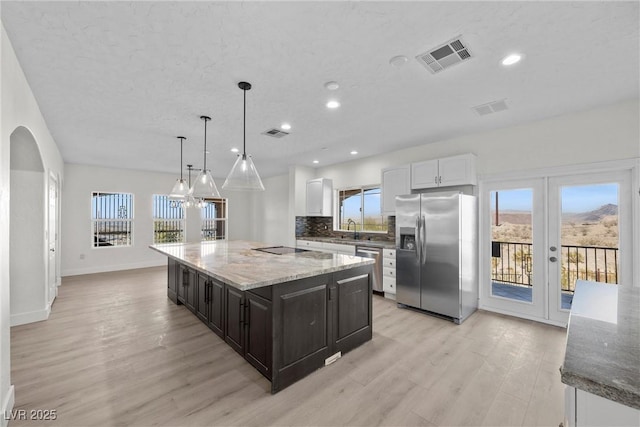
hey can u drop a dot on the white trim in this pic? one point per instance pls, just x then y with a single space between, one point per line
7 405
30 316
608 166
521 316
108 268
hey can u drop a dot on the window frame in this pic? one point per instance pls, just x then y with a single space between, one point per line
337 217
224 220
129 221
182 221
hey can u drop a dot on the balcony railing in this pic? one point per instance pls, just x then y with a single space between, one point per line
512 262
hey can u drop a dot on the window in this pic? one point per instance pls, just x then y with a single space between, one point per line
168 220
214 220
360 209
111 219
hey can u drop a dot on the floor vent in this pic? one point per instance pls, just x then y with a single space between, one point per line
275 133
491 107
444 56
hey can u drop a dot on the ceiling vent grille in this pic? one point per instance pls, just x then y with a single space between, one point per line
491 107
444 56
275 133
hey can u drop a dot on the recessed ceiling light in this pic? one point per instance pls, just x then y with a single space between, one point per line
285 126
333 104
331 85
511 59
234 150
324 148
316 162
354 152
398 61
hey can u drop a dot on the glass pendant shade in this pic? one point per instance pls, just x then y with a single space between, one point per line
204 186
179 190
243 176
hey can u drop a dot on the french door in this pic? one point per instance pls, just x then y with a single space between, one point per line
539 236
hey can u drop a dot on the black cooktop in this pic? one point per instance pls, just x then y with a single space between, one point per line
280 250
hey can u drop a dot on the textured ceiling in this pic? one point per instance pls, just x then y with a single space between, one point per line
117 81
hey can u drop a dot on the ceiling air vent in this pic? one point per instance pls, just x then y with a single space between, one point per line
491 107
444 56
275 133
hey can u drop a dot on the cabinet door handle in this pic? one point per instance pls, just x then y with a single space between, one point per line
206 292
440 180
435 181
241 313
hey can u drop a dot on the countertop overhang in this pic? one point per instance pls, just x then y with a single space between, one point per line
603 342
236 263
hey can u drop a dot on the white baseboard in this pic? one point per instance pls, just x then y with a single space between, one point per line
522 316
7 405
30 316
107 268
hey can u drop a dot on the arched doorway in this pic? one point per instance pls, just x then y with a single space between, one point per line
28 251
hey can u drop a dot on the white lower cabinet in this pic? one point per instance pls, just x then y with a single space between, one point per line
389 273
332 248
583 409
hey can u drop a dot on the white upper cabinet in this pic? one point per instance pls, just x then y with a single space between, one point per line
395 182
445 172
319 197
424 174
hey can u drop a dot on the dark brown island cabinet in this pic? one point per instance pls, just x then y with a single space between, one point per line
286 330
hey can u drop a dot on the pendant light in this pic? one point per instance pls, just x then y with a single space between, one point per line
204 187
244 175
189 201
180 188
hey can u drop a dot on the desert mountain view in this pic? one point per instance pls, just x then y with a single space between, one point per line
598 227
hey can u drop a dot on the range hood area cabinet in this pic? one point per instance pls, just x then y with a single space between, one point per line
396 181
319 197
444 172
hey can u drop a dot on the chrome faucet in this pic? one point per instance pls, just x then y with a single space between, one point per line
355 228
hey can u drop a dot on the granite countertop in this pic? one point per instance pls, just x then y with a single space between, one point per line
603 342
237 264
385 244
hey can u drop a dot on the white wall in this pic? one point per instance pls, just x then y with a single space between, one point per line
77 238
27 247
18 107
606 133
271 208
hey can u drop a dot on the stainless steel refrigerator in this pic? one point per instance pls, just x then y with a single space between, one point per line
436 253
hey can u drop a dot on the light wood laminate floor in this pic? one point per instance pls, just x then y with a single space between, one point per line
116 351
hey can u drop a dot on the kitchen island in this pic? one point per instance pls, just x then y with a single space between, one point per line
286 311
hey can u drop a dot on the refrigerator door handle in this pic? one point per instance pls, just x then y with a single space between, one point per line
423 241
416 238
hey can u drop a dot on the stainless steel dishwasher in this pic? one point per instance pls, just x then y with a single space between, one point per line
376 254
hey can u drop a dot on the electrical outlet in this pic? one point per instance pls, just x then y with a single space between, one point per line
81 256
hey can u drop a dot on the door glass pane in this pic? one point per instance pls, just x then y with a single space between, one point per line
589 236
512 244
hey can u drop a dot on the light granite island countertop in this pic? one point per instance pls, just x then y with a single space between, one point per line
239 264
603 342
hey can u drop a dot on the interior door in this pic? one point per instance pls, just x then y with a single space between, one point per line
513 233
589 235
52 239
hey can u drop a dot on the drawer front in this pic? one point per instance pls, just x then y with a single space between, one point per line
308 244
340 249
389 285
389 262
389 272
389 253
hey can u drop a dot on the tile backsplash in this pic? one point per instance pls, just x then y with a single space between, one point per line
322 226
